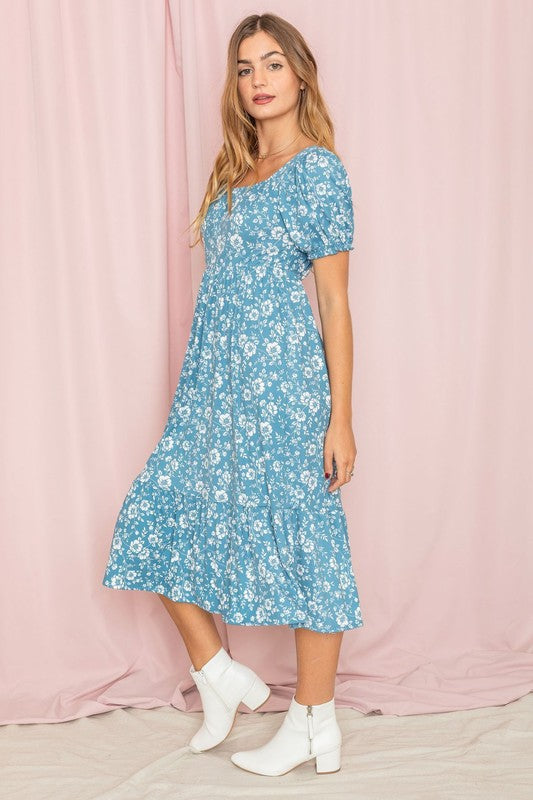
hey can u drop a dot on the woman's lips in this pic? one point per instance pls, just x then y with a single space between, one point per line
263 100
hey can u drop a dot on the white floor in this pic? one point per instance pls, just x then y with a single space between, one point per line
128 754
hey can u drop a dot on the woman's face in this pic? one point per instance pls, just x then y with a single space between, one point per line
271 76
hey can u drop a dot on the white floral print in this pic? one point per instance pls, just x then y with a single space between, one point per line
231 510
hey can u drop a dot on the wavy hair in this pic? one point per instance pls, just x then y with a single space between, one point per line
240 147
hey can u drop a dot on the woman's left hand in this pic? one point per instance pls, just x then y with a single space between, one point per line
339 444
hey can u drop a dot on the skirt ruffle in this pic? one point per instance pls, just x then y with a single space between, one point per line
252 563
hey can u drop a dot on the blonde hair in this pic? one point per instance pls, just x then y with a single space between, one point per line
240 146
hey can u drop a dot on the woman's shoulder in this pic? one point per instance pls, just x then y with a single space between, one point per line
318 153
315 202
312 174
316 163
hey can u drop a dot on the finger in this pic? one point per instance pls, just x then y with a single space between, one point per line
341 476
328 463
336 482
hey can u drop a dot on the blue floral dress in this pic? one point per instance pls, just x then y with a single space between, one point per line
231 510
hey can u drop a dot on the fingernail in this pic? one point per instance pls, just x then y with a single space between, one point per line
327 474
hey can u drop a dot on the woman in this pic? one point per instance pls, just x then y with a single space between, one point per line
237 510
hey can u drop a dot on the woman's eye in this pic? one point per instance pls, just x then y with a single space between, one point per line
273 64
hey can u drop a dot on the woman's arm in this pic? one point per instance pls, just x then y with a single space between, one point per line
331 280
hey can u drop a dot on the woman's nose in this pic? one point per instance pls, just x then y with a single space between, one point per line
259 79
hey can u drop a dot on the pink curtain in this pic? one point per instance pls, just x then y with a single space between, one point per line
110 125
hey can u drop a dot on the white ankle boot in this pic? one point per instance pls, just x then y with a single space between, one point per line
307 731
224 683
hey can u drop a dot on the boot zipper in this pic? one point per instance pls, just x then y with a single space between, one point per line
204 679
310 732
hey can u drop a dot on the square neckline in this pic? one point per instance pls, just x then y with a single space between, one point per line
253 185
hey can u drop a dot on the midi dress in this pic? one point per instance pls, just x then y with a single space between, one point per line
231 509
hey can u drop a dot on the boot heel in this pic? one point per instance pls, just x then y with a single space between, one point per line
329 762
256 695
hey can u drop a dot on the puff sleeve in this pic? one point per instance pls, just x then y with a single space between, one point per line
316 205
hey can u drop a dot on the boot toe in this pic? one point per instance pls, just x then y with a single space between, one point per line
205 738
242 760
199 743
249 761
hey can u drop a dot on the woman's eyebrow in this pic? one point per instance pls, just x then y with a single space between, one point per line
262 58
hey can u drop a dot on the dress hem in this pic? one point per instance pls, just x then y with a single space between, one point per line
227 619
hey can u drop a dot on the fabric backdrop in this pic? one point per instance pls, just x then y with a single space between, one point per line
110 126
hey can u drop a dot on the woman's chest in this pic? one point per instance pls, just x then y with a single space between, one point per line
253 229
